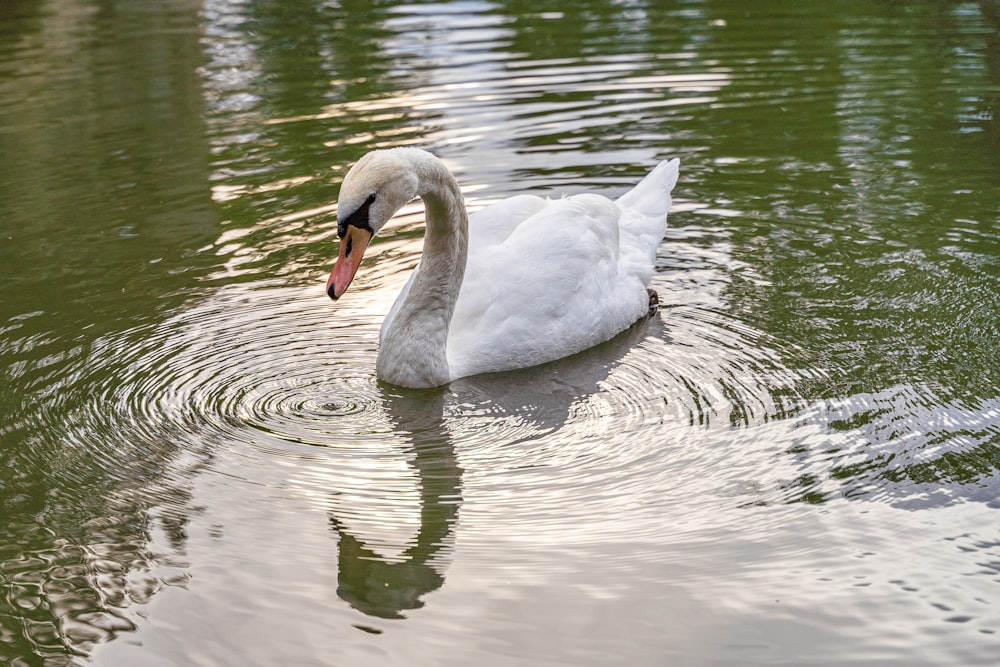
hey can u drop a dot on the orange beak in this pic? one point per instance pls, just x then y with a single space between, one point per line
352 249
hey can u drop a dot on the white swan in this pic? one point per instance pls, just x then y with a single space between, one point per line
519 283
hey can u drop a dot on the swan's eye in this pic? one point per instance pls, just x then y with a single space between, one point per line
359 218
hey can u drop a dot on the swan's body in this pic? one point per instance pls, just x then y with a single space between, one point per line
524 281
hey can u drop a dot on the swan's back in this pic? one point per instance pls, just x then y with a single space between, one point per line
549 278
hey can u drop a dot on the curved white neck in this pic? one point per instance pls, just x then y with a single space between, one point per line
414 342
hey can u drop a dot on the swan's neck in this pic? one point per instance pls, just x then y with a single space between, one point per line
414 341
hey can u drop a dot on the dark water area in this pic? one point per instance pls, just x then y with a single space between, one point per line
796 461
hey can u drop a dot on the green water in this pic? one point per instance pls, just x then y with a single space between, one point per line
797 461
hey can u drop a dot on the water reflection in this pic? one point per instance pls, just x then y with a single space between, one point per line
530 401
530 411
107 196
387 588
103 162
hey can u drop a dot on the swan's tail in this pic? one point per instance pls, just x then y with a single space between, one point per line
644 219
651 197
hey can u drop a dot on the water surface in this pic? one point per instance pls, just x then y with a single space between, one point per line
797 461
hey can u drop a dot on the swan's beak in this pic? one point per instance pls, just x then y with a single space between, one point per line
352 249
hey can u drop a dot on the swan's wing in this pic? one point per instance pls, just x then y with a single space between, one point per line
488 227
552 287
491 226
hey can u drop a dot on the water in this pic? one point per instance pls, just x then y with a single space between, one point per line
797 461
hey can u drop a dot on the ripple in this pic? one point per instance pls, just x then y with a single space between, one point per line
248 367
255 375
299 413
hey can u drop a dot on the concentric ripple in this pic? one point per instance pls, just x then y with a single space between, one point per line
260 371
247 367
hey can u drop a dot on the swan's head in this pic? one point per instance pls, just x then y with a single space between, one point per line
377 186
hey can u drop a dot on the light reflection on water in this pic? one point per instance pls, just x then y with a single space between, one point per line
794 461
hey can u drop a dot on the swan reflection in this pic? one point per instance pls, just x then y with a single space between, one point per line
542 397
386 588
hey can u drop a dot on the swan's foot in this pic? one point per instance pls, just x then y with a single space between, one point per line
654 301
